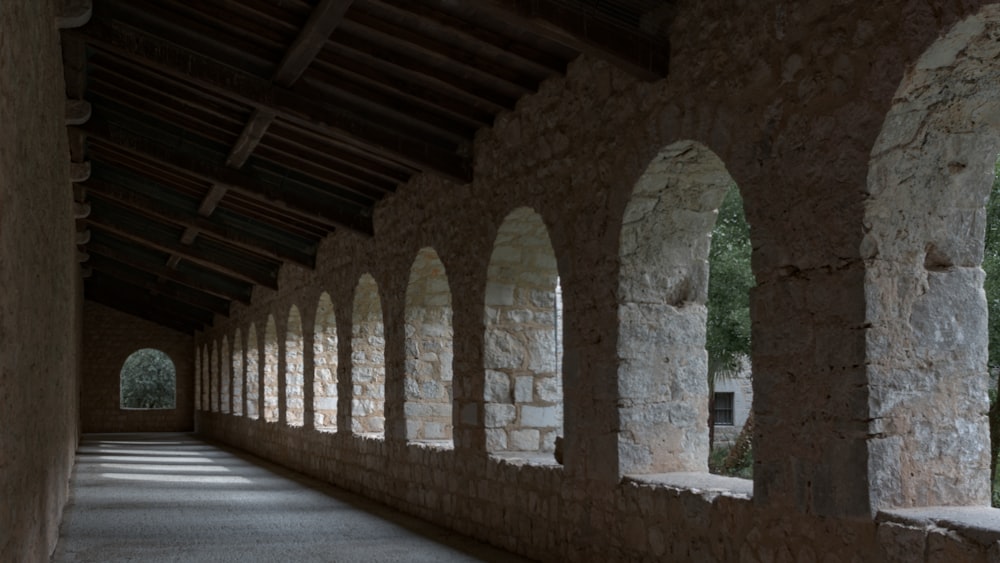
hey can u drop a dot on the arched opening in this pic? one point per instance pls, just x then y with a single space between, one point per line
206 379
213 389
663 372
270 371
523 391
294 370
427 390
238 374
148 380
197 378
929 176
367 360
253 375
224 376
325 366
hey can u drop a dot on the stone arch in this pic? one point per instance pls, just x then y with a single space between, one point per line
929 177
213 389
271 353
367 360
662 290
239 373
148 380
224 376
294 370
197 378
522 357
325 362
253 374
429 352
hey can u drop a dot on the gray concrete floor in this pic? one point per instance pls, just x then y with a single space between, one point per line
171 497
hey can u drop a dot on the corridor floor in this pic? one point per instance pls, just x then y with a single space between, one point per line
171 497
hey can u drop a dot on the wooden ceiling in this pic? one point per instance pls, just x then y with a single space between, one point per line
212 141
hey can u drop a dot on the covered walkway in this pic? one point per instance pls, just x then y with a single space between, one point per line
171 497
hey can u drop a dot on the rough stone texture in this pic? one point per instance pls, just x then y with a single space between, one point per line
429 353
270 371
253 375
294 400
325 351
225 377
40 316
239 374
931 173
522 347
109 338
867 354
367 360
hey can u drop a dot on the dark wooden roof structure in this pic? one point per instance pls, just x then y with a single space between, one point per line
214 140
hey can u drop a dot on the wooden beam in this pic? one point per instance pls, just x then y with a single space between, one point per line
241 182
322 21
149 239
212 199
154 208
253 132
189 280
168 58
644 56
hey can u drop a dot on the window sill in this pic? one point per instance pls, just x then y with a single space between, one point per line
697 482
545 459
980 524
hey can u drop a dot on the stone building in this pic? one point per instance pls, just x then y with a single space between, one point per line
412 351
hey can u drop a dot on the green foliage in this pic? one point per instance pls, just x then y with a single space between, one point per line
717 463
730 279
991 265
148 381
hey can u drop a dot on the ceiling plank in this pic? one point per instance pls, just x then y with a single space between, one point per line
193 281
176 292
176 61
110 299
236 180
150 239
139 300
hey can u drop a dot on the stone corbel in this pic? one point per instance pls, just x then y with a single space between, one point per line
79 171
77 112
74 13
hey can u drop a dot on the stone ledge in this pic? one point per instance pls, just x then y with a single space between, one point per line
980 524
541 459
696 482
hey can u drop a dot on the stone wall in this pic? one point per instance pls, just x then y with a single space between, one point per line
109 338
40 317
788 101
325 352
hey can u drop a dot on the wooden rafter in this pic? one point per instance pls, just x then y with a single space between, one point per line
246 88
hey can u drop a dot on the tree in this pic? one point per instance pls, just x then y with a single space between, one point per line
727 333
991 265
148 381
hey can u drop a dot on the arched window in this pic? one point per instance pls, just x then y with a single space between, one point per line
428 393
523 352
367 360
663 286
224 376
925 316
270 371
213 389
294 407
238 374
253 375
148 381
325 366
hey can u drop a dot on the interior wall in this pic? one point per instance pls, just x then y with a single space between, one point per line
39 286
109 338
